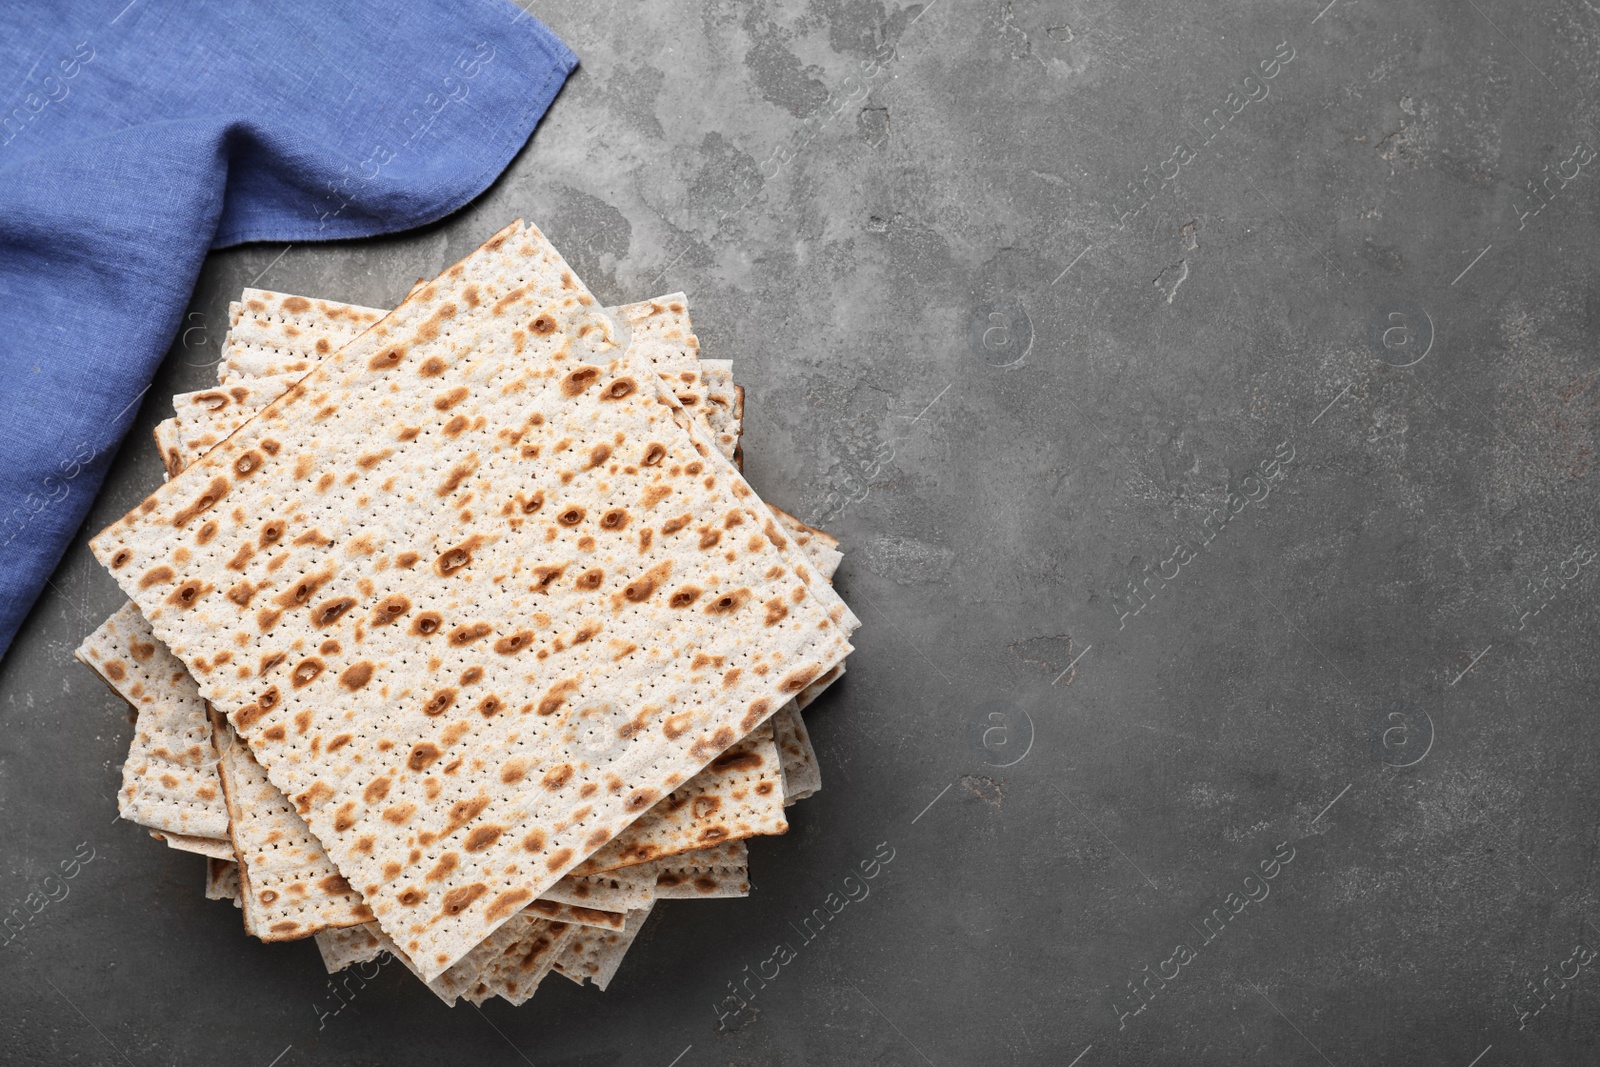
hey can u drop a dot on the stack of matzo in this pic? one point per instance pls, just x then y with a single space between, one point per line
456 632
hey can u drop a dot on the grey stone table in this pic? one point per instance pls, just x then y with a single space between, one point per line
1205 395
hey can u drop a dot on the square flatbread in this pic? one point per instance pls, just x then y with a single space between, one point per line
659 327
360 547
269 335
703 883
617 890
726 867
462 978
349 945
738 795
204 418
821 547
209 416
287 886
595 955
168 781
725 405
275 830
517 971
670 831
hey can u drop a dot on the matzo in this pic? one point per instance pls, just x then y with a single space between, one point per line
615 890
222 880
674 870
341 948
578 915
742 797
209 416
801 775
204 418
169 442
595 955
660 333
820 547
627 888
270 334
703 883
724 405
466 972
459 976
810 693
701 435
167 782
210 847
287 886
230 523
517 971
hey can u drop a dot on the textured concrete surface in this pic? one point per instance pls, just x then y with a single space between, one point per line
1216 479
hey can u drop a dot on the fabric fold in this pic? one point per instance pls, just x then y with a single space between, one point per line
138 136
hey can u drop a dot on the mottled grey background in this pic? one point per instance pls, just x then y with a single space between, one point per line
1010 405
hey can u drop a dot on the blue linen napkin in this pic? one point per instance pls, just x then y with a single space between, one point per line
136 136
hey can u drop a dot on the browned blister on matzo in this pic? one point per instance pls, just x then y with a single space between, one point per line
169 781
472 597
168 435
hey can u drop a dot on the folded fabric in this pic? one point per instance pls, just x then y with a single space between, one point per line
139 135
